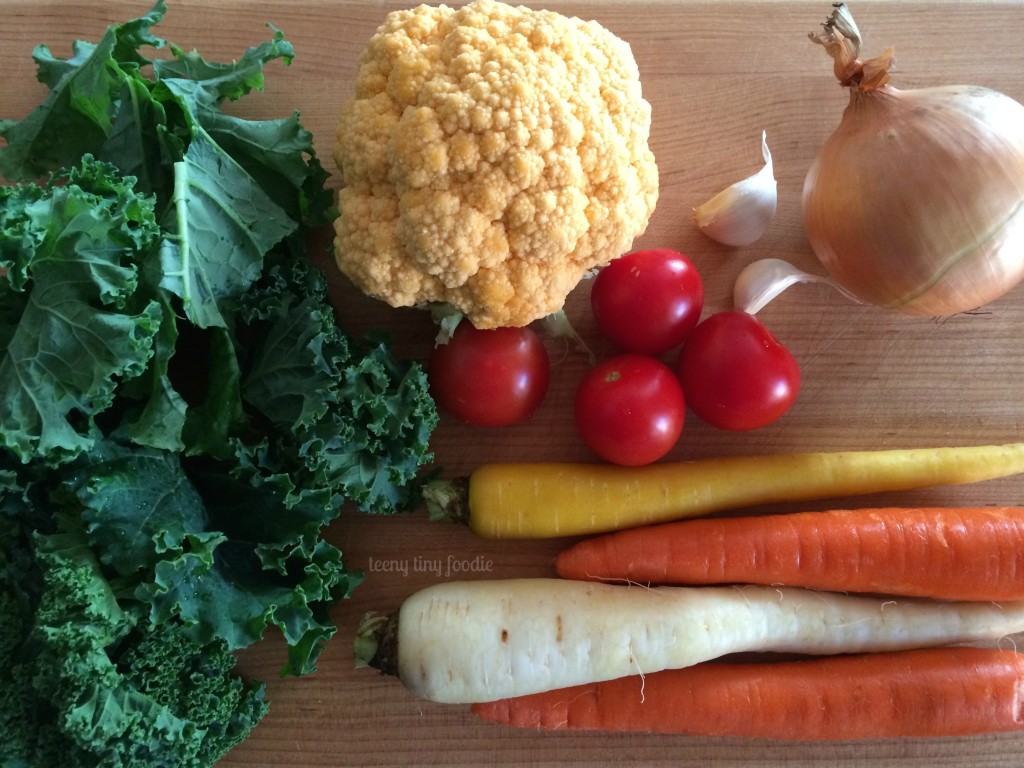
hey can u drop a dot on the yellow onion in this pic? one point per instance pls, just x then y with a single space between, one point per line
916 201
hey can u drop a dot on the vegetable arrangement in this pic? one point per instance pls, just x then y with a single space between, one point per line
628 656
182 416
664 604
186 419
637 655
730 371
563 652
501 260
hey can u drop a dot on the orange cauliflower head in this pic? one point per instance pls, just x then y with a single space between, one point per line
491 157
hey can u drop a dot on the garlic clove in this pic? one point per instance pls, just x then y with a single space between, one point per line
740 214
764 279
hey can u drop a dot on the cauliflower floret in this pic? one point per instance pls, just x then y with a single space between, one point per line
491 157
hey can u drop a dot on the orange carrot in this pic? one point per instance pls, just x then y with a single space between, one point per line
949 554
921 693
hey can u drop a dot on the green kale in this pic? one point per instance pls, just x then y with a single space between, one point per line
194 543
183 418
88 683
362 430
156 290
226 189
75 320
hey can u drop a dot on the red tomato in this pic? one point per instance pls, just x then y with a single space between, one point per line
490 378
735 374
630 409
648 301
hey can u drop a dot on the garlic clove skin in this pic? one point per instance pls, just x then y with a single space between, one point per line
740 214
764 279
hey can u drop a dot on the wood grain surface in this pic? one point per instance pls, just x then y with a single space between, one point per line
716 74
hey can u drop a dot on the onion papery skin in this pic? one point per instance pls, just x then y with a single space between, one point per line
916 202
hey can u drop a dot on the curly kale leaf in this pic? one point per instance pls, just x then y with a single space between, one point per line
227 189
74 323
362 432
87 683
199 545
76 117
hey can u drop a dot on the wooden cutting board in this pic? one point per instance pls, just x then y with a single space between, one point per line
717 74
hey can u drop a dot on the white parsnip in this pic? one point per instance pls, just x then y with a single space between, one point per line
464 642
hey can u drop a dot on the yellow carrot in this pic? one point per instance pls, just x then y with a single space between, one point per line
545 500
